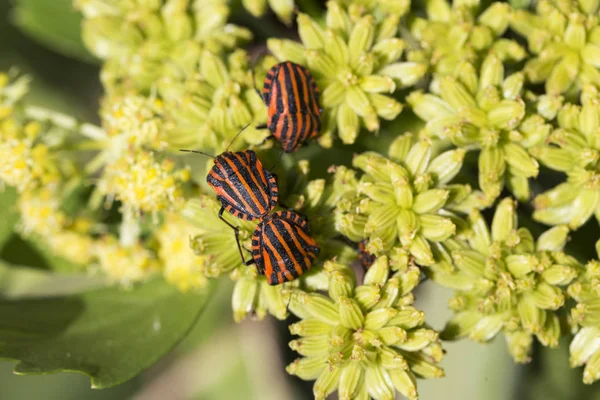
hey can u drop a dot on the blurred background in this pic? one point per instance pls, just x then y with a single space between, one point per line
221 359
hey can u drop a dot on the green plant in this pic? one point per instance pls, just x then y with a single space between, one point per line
120 201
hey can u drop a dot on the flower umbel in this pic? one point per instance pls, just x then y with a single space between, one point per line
404 203
565 37
484 110
585 346
573 148
355 61
505 281
365 340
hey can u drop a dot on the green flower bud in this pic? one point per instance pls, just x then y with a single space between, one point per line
311 34
436 228
350 314
287 50
348 124
307 368
447 165
487 328
326 383
400 147
429 107
404 382
492 72
430 201
519 345
491 170
350 377
361 37
309 327
505 220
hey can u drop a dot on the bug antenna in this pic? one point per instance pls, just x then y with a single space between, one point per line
197 152
278 160
236 136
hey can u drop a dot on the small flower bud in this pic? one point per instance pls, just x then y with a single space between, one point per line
392 335
376 383
519 345
419 248
436 228
349 313
361 37
376 319
287 50
405 382
378 272
310 32
312 346
447 165
400 147
505 220
406 73
418 339
487 328
326 383
307 368
349 380
429 107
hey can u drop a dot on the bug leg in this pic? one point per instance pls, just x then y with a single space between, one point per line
254 84
237 237
262 126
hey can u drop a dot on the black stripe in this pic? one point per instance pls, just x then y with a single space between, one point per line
279 98
247 185
270 74
274 121
288 259
283 133
298 74
289 86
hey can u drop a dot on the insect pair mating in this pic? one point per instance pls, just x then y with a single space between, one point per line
282 247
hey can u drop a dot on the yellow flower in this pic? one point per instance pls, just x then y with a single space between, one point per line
143 184
181 267
137 120
124 264
73 246
40 212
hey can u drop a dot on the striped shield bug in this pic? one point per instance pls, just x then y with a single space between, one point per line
282 247
244 187
366 259
292 98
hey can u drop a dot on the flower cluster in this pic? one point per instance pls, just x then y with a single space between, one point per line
483 109
454 33
403 204
585 346
364 340
176 77
564 36
573 148
143 42
356 63
506 281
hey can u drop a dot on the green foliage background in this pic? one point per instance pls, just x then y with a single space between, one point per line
41 38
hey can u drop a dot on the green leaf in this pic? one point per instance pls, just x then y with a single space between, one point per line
110 335
54 23
8 214
18 282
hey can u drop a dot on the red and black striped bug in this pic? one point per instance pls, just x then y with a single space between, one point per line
282 247
292 98
366 259
244 187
